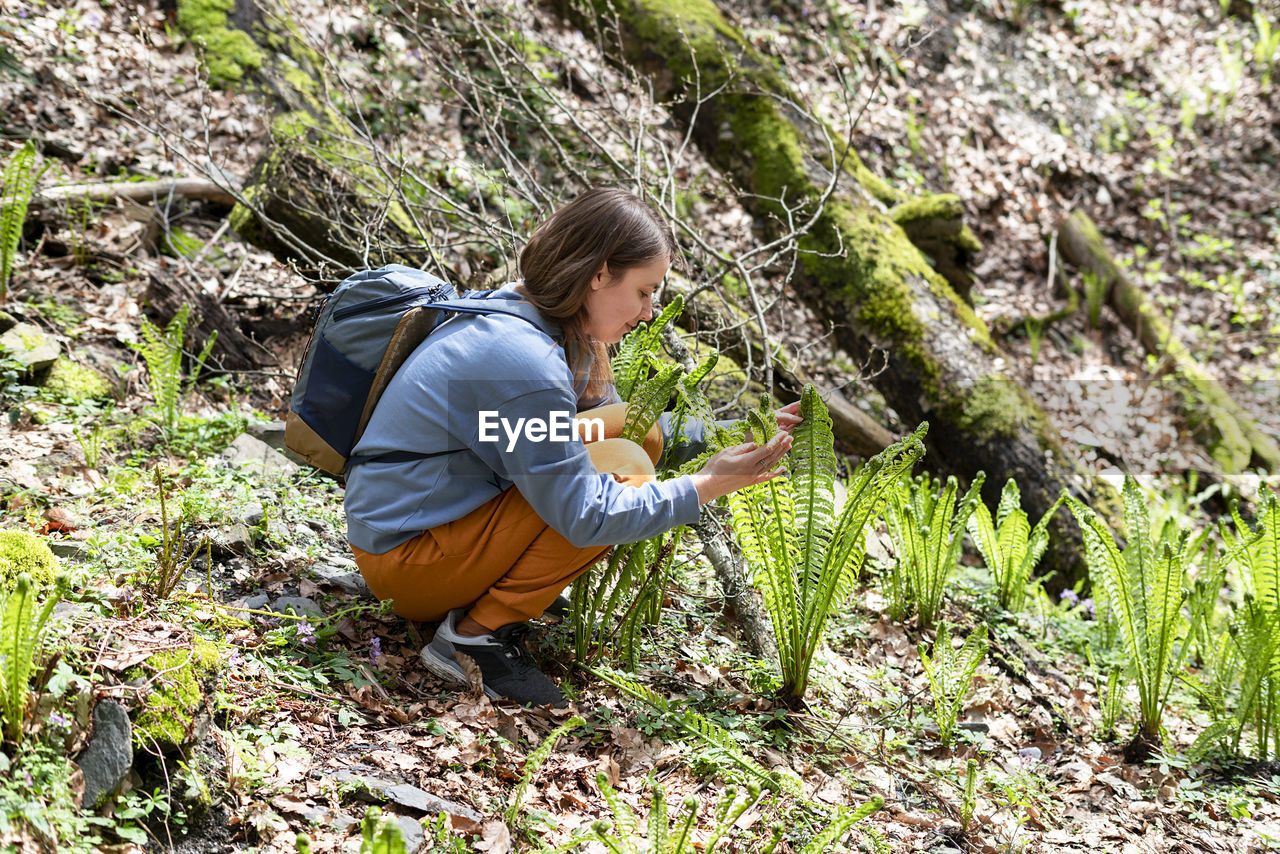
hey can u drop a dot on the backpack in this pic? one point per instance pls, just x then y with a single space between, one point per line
363 333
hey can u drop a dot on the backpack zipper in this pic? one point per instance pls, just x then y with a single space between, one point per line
375 304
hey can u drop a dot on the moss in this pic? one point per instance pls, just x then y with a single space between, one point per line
23 551
995 407
928 207
77 383
181 680
230 54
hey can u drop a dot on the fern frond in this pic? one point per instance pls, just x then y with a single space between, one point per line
826 838
633 359
648 401
533 763
17 185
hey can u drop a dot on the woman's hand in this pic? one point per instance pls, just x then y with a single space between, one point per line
742 465
788 417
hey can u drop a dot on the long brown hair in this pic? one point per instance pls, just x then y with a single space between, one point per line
604 226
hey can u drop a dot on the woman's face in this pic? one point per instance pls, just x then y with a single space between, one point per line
617 304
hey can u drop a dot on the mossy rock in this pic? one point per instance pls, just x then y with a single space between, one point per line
229 53
77 383
176 709
23 551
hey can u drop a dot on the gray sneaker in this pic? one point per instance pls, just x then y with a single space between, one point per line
505 664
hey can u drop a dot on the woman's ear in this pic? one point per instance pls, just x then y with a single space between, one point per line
601 278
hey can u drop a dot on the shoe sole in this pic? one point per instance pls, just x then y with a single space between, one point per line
448 670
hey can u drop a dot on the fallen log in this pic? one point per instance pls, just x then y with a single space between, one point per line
142 192
1218 422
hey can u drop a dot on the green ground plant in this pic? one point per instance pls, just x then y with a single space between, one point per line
679 835
713 736
1254 657
17 185
802 555
533 762
950 672
611 603
926 525
162 350
380 835
1143 586
1010 546
969 795
21 628
1266 48
25 552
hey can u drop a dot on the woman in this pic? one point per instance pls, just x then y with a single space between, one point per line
507 510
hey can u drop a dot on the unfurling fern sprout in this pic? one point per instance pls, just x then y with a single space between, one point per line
1255 627
1010 546
162 352
1144 591
803 557
927 530
950 672
17 185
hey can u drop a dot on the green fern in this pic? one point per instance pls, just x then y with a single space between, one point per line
927 530
637 349
950 673
698 727
533 762
1143 585
804 558
17 185
1010 546
162 352
621 836
648 400
21 627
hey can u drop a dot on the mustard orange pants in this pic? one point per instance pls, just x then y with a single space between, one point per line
502 560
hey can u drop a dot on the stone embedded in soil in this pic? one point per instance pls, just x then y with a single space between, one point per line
231 540
300 605
246 450
109 756
253 515
256 603
29 346
412 834
405 796
349 581
70 549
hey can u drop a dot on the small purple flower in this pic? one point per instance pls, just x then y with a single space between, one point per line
235 657
1089 608
306 635
57 719
375 650
1070 597
22 11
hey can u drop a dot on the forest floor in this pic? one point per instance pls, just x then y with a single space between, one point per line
1152 117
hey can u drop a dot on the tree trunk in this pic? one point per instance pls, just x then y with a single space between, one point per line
1231 436
859 269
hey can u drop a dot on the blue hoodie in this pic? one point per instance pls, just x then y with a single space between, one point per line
513 367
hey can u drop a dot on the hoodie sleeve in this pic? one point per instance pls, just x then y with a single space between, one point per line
526 438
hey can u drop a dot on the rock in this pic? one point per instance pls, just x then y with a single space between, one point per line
109 756
257 603
300 605
29 346
412 833
234 539
246 450
415 799
272 432
1029 754
403 795
70 549
253 515
348 581
67 612
974 726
